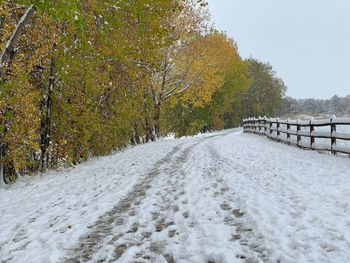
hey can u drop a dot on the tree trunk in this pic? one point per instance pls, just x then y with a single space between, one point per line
5 167
9 51
2 22
46 120
148 126
136 135
149 130
156 119
2 177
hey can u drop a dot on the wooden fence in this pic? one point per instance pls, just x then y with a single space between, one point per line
331 135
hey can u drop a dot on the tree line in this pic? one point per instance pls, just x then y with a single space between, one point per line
82 78
338 106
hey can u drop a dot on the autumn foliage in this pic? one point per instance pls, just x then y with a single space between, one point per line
87 77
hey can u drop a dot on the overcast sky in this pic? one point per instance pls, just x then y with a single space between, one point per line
306 41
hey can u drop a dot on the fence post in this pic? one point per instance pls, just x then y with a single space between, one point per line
259 123
288 132
270 128
298 136
333 139
312 138
278 128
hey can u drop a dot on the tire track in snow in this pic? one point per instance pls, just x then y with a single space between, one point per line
102 229
165 195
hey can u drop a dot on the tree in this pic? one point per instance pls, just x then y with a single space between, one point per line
23 76
266 91
206 104
83 78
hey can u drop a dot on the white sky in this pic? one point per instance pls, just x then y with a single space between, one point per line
306 41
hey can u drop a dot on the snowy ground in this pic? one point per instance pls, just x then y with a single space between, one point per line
224 197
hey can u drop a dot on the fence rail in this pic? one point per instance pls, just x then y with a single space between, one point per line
331 135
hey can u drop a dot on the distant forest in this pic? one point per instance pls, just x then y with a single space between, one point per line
339 106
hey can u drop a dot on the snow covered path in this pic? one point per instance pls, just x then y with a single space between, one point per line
223 197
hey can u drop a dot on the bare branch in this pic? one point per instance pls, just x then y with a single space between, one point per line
172 84
186 87
166 95
9 51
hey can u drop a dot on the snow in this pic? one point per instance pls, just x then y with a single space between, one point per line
220 197
297 200
36 213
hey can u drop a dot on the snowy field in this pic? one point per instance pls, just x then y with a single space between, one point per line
222 197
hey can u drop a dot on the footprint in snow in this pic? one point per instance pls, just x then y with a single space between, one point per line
225 206
186 215
171 233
